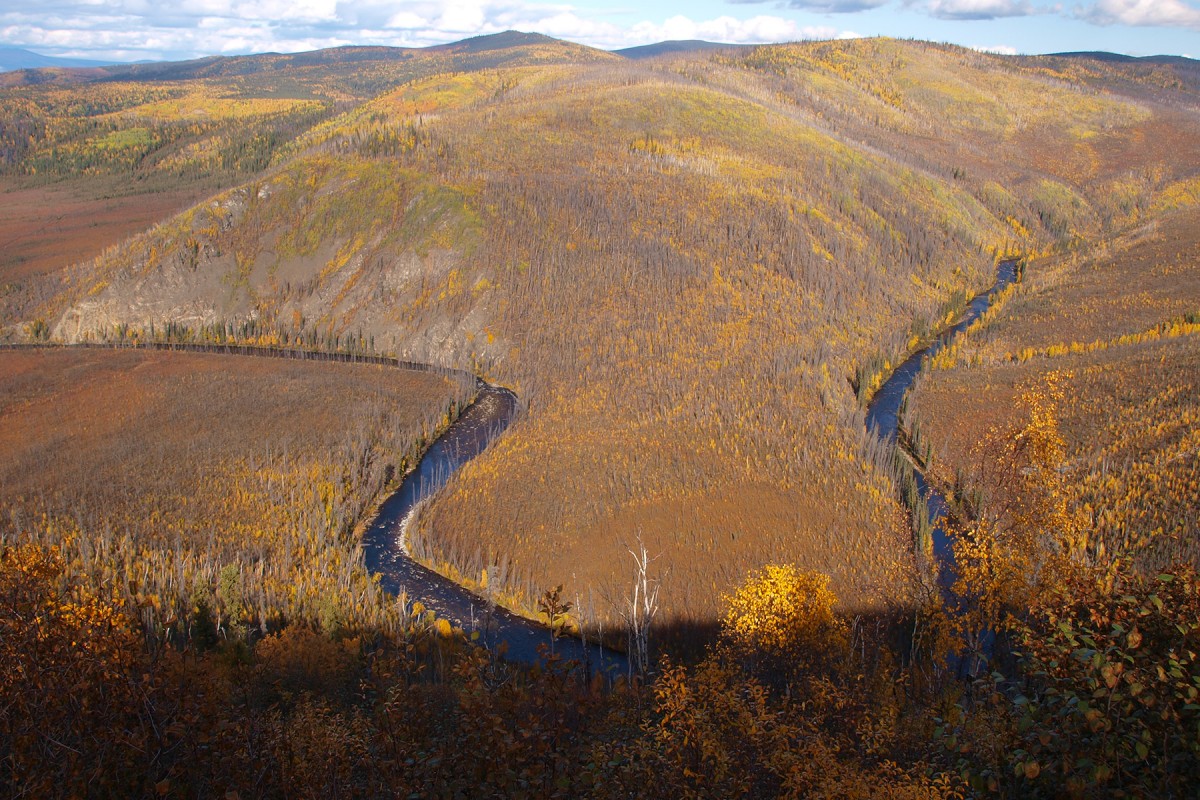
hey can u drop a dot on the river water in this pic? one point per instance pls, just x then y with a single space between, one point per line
884 409
883 420
384 549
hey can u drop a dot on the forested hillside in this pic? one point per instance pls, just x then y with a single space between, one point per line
690 268
90 156
695 269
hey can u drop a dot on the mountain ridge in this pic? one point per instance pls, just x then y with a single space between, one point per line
216 66
17 58
1104 55
673 46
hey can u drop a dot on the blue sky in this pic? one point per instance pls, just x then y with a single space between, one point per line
130 30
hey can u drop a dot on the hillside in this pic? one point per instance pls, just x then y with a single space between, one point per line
685 266
90 156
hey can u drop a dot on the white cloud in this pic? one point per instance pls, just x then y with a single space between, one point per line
290 10
829 6
1164 13
406 19
462 16
755 30
569 25
979 9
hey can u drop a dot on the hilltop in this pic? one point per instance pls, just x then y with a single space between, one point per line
675 47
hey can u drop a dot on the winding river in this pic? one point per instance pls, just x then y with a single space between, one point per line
385 550
883 419
883 412
493 410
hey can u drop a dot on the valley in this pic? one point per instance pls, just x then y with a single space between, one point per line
689 271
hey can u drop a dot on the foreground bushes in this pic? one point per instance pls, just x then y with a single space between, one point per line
86 708
1106 700
1101 701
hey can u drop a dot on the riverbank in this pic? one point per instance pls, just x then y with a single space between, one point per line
883 418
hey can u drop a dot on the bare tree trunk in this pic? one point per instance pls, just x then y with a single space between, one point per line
640 610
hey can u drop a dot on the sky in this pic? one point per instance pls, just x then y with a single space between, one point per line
133 30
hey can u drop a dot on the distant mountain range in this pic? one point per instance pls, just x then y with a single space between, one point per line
16 58
697 45
674 46
1099 55
259 63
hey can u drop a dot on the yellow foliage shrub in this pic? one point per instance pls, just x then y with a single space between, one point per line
783 614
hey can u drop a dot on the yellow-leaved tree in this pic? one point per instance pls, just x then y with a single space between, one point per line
781 622
1026 534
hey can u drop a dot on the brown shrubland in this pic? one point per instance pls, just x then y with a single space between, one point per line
681 265
183 480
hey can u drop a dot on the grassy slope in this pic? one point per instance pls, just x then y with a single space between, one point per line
678 264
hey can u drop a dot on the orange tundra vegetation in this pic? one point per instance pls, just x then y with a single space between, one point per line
688 268
192 483
1117 328
680 265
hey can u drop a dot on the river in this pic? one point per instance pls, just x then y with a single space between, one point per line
384 548
883 414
